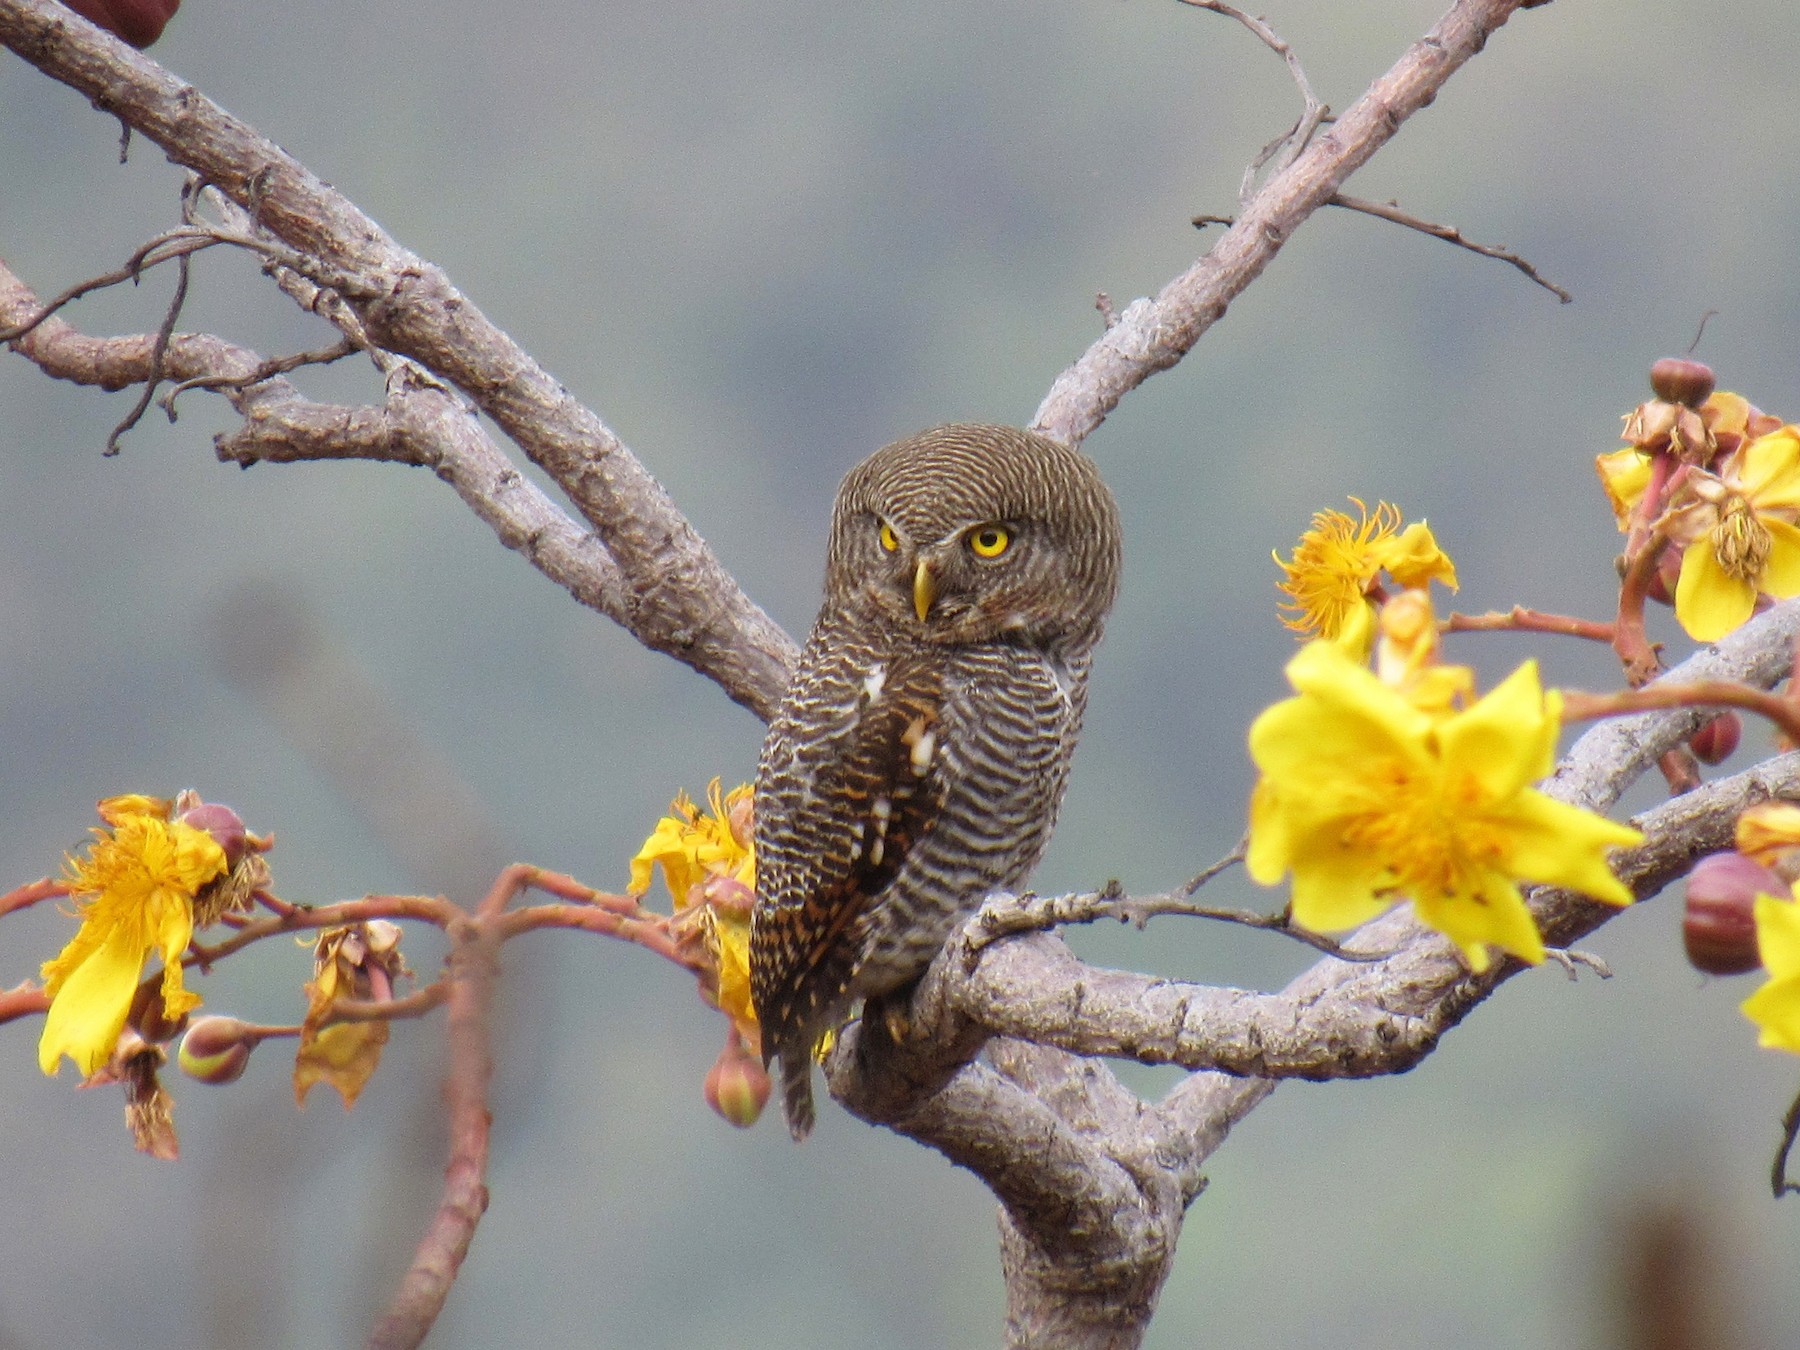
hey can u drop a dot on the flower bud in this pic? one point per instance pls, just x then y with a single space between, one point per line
217 1050
729 896
737 1085
1715 742
223 824
1718 926
1679 380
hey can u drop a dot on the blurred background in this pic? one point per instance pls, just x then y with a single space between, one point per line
762 239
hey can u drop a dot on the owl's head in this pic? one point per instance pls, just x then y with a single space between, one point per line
970 533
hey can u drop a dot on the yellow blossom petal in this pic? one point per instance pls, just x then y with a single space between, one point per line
1709 601
1508 739
1414 559
1625 474
1768 469
1775 1008
689 845
1498 917
1767 830
1781 574
731 943
1367 799
114 809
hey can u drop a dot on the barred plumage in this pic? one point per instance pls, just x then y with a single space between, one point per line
919 757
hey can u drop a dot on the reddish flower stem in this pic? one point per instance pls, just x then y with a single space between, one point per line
25 1001
1630 641
28 895
296 918
1782 711
649 931
1521 620
415 1004
472 966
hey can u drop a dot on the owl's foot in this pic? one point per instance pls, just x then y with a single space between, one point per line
894 1018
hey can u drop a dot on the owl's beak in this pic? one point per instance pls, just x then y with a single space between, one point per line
924 589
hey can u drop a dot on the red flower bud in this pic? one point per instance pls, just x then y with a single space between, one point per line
737 1085
1715 742
1718 927
139 22
217 1049
1680 380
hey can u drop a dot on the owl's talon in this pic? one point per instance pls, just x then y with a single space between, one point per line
894 1018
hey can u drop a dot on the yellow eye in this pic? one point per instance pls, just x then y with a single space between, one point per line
989 541
889 540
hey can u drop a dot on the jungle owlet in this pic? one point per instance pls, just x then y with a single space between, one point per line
919 757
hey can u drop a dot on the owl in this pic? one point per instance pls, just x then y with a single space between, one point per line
919 756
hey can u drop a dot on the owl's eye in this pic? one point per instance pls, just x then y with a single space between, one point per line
989 541
889 540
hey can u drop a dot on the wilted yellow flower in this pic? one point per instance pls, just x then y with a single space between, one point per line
1739 535
690 845
1775 1008
708 860
355 961
136 889
1338 562
1369 799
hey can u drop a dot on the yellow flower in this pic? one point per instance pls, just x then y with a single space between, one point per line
1369 799
709 862
136 887
1336 567
690 846
1739 536
1776 1006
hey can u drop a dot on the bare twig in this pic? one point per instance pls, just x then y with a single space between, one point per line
1390 211
264 370
1572 959
1790 1127
1519 619
1313 113
1154 334
158 350
171 244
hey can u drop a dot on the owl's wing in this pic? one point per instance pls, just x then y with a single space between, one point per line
838 812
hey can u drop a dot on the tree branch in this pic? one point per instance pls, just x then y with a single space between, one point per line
678 599
1152 335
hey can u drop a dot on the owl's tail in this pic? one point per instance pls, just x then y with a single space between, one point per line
796 1088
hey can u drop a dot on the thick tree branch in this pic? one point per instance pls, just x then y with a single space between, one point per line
1153 334
678 599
